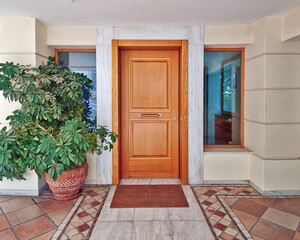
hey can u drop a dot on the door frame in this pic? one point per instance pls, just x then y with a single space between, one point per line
182 47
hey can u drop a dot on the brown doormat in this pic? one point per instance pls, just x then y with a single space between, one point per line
149 196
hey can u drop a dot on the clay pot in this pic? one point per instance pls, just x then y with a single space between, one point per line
68 185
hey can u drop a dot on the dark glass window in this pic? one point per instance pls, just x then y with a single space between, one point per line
83 62
222 97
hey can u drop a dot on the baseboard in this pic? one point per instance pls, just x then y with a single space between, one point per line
17 192
276 192
90 182
231 182
43 188
256 188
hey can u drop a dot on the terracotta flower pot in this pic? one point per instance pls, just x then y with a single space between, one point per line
68 185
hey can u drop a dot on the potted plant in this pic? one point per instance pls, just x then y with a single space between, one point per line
50 133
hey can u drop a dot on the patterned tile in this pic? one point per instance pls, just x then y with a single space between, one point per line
73 219
271 231
83 216
239 212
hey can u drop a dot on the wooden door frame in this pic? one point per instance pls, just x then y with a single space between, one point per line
182 46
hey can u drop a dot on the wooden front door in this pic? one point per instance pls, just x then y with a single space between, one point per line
149 113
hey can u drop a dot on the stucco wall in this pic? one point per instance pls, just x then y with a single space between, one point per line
226 166
22 41
272 103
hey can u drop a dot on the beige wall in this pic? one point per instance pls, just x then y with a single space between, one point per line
228 35
21 41
72 37
226 166
272 94
291 25
272 103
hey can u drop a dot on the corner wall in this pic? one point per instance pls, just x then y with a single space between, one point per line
22 40
272 103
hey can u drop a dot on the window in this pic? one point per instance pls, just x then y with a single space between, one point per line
82 61
223 97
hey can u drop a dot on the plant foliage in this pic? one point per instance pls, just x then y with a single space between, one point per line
49 133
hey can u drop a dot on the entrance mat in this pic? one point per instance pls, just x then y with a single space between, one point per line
149 196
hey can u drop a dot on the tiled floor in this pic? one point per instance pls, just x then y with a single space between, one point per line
239 212
152 223
45 218
214 212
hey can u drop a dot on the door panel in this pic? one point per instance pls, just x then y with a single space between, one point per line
149 104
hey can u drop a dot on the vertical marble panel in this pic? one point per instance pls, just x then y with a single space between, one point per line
104 98
195 36
195 104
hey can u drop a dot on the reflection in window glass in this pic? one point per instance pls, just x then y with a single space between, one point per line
83 62
222 98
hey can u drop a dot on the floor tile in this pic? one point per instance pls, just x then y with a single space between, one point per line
191 213
191 230
7 235
290 205
271 231
53 205
34 227
5 198
15 203
190 197
256 237
159 230
3 223
247 220
162 230
45 236
59 215
160 214
126 214
250 207
226 236
263 201
109 214
297 236
231 201
143 214
282 218
112 231
24 214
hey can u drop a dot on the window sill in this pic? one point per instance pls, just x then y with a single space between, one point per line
226 150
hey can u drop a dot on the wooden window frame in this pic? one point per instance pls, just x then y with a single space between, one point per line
182 46
56 51
242 50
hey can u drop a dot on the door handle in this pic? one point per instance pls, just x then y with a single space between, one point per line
150 115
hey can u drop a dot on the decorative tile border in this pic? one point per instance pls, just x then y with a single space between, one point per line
222 221
80 221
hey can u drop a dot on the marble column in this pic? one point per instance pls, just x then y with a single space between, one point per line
104 98
195 104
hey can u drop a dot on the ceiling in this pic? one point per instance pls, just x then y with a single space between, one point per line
145 12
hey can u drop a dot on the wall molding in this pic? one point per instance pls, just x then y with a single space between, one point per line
20 192
272 123
275 193
273 54
272 89
231 182
277 158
